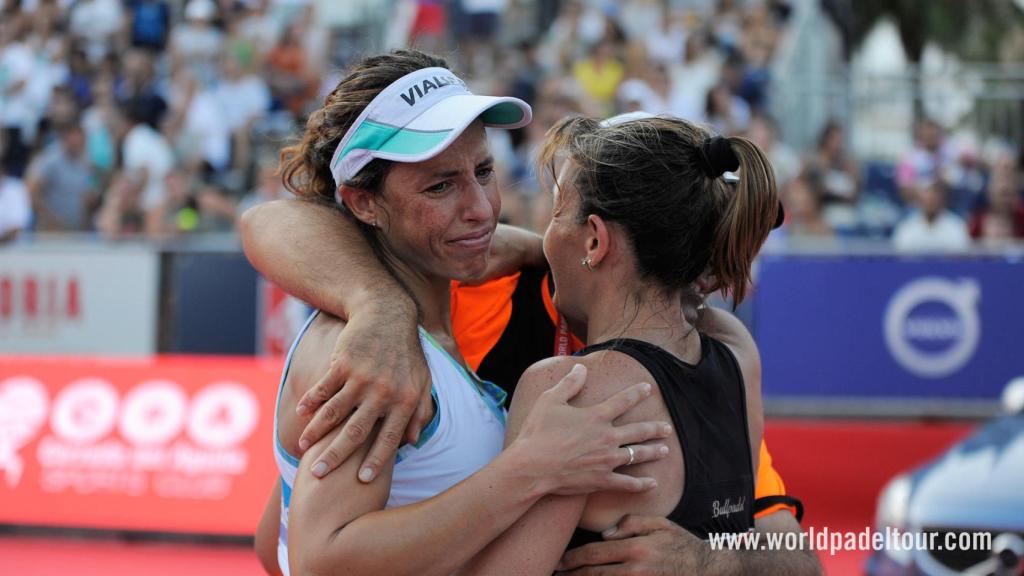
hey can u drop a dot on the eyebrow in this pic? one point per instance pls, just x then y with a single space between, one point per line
452 173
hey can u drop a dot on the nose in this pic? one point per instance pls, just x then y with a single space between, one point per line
478 203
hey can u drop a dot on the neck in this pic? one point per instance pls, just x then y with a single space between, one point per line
432 295
645 313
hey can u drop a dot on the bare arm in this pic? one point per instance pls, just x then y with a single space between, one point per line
513 249
657 547
311 250
339 525
268 531
317 254
536 541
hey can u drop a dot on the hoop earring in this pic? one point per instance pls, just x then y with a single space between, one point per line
585 262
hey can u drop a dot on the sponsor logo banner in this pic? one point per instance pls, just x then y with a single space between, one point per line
171 443
869 327
62 301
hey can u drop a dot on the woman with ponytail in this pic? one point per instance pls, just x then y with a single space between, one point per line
643 225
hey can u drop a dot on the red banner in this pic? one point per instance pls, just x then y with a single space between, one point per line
169 444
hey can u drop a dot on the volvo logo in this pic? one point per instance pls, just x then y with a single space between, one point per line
932 326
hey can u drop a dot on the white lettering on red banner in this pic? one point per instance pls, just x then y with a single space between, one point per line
154 438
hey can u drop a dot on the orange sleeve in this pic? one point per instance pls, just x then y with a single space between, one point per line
770 484
480 314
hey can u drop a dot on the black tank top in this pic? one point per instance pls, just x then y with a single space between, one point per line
708 406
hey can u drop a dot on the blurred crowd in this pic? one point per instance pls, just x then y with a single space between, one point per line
159 118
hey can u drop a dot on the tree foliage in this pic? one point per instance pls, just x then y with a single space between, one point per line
973 29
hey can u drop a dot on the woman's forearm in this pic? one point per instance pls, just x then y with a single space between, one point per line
513 249
435 536
318 255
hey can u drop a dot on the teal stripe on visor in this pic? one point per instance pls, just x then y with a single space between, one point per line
383 138
503 114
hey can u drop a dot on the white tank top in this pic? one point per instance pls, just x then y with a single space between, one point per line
466 433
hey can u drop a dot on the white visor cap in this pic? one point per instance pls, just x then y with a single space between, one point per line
417 117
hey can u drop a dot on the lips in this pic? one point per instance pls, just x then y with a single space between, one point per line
478 239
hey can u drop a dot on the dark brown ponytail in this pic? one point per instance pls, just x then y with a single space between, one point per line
749 213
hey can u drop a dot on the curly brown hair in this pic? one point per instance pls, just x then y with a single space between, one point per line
306 165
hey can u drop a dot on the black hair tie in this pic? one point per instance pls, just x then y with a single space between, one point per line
717 157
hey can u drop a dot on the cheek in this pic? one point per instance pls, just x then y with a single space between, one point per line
494 197
546 244
556 248
415 223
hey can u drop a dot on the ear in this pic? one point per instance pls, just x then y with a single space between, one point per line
360 203
598 239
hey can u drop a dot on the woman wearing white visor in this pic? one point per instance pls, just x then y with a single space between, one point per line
400 146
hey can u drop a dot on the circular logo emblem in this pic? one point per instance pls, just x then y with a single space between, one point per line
85 411
932 327
223 415
153 413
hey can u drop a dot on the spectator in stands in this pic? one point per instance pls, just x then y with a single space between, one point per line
268 185
429 25
219 118
193 203
61 110
699 71
121 213
292 83
840 177
802 199
15 207
97 23
764 131
1002 217
176 64
600 74
932 227
653 93
147 158
138 83
665 43
576 27
482 22
79 78
756 47
19 114
149 23
196 42
727 24
62 185
103 123
255 30
727 113
931 155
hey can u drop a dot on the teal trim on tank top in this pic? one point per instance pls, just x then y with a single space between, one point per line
490 392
